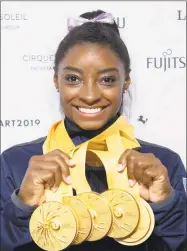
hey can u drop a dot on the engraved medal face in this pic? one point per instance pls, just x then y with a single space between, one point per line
144 228
83 216
53 226
101 214
125 212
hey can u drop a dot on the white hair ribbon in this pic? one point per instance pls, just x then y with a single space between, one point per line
102 18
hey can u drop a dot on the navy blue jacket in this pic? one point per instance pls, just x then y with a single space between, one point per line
170 215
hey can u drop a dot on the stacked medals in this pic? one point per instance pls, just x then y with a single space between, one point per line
66 219
119 212
133 218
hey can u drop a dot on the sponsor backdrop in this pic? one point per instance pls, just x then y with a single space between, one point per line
155 34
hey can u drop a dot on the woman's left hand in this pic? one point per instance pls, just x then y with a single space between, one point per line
149 172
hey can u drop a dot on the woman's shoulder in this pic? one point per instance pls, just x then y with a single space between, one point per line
170 159
167 156
23 151
14 160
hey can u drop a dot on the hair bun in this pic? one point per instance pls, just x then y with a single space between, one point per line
94 14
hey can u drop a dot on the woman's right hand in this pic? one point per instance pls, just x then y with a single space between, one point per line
44 172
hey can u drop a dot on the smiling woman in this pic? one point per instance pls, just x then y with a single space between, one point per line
91 80
91 74
92 67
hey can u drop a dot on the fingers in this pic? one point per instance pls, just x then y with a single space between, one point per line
60 168
44 172
55 168
130 171
126 161
70 162
148 175
141 168
122 163
55 171
64 163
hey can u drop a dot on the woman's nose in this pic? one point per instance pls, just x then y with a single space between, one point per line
90 93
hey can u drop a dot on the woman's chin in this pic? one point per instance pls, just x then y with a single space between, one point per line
90 125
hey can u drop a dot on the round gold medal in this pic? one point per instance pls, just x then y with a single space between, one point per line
125 212
83 216
144 228
101 214
53 226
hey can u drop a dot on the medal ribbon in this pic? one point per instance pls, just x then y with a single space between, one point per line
108 146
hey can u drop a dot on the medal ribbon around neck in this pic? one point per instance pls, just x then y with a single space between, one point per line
114 221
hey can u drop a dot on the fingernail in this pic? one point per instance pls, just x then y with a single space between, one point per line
131 183
72 162
68 180
54 189
120 167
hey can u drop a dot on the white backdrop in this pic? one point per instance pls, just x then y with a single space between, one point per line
155 35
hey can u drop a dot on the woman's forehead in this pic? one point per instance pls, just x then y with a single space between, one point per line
91 54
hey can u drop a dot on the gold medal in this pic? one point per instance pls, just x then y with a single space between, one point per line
125 213
53 226
83 216
64 194
101 214
144 228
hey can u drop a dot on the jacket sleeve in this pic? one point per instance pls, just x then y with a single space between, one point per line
170 215
14 220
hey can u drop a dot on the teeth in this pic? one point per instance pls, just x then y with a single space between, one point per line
85 110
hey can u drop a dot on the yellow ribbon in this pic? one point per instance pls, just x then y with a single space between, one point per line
108 146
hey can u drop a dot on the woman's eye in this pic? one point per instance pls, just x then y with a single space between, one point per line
72 78
108 80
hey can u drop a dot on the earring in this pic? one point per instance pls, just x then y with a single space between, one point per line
125 89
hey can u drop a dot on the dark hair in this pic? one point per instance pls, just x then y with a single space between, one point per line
100 33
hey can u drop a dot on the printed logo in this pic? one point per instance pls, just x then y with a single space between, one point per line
181 15
19 123
120 21
141 119
37 62
12 21
166 61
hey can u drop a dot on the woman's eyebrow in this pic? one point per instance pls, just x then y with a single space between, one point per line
72 68
108 70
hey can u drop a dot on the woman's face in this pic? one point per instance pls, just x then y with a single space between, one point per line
91 80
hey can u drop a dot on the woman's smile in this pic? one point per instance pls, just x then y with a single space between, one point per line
94 113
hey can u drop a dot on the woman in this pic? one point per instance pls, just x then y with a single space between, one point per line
92 72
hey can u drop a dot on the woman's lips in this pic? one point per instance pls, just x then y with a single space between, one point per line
90 112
